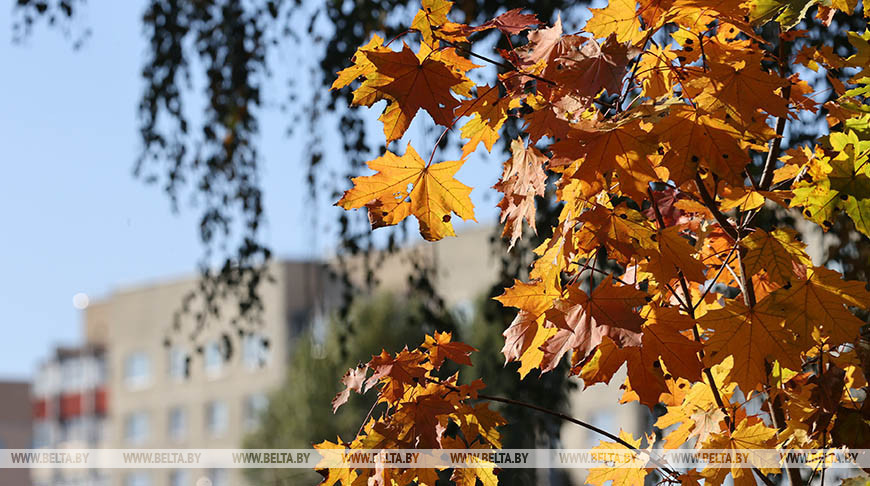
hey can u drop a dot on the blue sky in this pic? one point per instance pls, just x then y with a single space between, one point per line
74 218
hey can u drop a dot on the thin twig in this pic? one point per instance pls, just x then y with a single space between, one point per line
687 296
763 477
508 66
774 151
561 416
575 421
691 311
715 278
714 208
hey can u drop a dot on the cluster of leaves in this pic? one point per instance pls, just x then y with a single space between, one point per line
650 121
423 410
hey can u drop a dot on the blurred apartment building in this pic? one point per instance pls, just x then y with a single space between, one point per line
16 429
139 383
70 410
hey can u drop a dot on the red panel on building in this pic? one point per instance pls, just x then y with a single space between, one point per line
70 405
101 401
40 409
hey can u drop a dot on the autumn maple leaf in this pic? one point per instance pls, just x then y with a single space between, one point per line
441 347
755 337
353 380
582 320
523 179
407 185
414 85
816 308
660 147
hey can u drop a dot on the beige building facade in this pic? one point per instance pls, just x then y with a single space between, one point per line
171 389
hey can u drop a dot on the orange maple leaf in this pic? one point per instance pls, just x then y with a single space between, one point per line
406 185
414 85
778 253
623 148
440 348
663 338
396 372
816 308
692 138
755 337
582 320
741 87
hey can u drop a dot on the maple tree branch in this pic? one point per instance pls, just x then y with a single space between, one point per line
366 420
398 36
615 278
703 54
736 278
776 143
763 477
559 415
710 203
748 286
690 309
777 417
456 119
711 381
636 61
680 301
568 418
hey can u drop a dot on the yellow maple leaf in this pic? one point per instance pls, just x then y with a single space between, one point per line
432 14
750 434
815 308
778 253
620 476
361 64
333 451
488 113
618 17
755 337
407 185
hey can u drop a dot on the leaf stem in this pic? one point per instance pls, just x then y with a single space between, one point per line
506 66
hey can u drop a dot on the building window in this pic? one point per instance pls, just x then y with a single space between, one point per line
42 434
137 478
72 374
216 418
178 364
213 358
218 477
137 370
179 477
136 428
255 351
255 406
177 423
73 430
